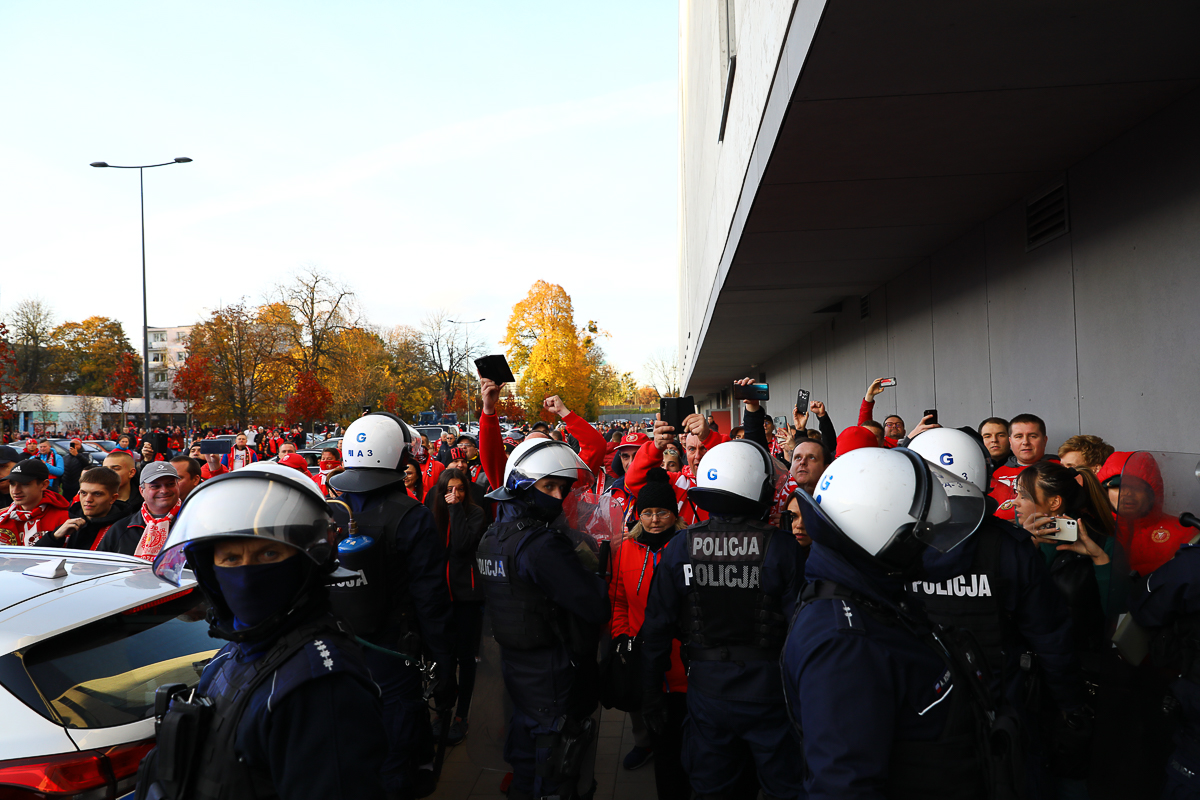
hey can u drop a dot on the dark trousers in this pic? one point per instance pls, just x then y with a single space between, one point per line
468 627
721 736
406 720
670 779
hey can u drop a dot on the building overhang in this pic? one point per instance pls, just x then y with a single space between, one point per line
901 127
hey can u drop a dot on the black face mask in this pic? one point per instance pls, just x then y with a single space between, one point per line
257 592
542 506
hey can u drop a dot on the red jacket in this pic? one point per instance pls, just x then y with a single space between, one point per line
491 446
648 456
50 514
864 415
633 568
1151 540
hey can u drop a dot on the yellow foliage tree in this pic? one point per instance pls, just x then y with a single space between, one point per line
546 350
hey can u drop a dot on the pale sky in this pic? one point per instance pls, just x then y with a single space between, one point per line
431 155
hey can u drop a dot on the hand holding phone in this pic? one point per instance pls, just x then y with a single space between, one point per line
802 401
1064 530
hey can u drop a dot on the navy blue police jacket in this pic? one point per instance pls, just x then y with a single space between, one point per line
782 576
1168 593
855 684
539 680
1034 605
315 726
420 552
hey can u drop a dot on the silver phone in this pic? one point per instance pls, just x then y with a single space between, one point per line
1066 530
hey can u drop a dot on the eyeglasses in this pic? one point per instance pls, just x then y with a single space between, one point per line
648 514
893 425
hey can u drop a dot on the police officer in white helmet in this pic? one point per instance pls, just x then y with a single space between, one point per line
288 707
997 586
889 705
729 584
398 600
547 612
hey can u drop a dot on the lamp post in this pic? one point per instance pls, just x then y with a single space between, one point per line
141 168
467 322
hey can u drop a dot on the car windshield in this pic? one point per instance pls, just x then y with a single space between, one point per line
106 672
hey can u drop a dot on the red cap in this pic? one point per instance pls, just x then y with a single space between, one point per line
295 461
855 437
30 441
636 439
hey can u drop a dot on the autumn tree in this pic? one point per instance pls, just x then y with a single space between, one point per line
10 393
32 326
550 355
411 382
646 395
247 350
370 377
126 382
321 309
448 351
309 400
192 383
87 354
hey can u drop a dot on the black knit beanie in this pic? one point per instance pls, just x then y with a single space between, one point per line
657 493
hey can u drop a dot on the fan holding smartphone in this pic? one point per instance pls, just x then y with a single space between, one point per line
1056 510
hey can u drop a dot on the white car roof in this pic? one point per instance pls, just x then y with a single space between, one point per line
96 585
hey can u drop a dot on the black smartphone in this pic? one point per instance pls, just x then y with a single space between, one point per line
675 410
752 391
802 401
213 447
495 369
932 414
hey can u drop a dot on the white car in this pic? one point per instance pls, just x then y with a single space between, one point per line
81 656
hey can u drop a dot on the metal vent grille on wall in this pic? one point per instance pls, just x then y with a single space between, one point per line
864 306
1046 216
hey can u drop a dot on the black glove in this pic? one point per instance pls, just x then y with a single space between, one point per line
654 712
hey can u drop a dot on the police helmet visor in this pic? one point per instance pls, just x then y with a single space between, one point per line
272 509
955 509
546 458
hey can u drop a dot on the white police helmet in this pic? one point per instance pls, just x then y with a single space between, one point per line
885 506
534 459
374 451
735 477
955 451
264 500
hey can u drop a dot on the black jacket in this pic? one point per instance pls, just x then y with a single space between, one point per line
85 538
73 467
467 524
124 535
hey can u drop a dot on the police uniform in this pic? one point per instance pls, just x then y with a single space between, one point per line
729 584
547 613
1169 601
398 599
288 708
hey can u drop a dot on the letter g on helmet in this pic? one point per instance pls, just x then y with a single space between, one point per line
712 474
946 458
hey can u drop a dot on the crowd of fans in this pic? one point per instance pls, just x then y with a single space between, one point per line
643 473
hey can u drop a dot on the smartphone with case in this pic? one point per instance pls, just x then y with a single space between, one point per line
214 447
495 368
1065 530
802 401
888 382
932 414
675 410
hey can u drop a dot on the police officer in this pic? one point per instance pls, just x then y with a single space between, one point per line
884 706
729 584
287 708
398 600
547 612
1168 602
997 586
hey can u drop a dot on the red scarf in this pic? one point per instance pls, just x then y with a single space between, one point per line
18 514
155 535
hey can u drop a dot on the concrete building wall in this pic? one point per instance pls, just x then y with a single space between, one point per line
1093 331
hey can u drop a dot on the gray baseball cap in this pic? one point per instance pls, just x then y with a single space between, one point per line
155 470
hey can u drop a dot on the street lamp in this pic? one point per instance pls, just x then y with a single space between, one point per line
145 313
467 322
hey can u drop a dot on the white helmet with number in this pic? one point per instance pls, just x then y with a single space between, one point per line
374 451
885 506
534 459
955 451
735 477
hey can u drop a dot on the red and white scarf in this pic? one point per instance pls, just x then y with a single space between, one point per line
17 514
155 535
